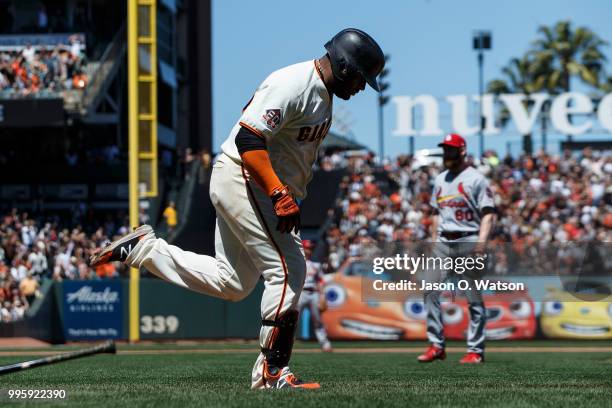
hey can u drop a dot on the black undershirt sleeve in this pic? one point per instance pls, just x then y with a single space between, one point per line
247 140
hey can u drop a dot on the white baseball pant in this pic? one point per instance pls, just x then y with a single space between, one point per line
247 246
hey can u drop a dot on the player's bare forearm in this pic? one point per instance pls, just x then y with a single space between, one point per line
486 226
434 228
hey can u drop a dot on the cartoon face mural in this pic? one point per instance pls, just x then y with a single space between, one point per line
565 316
510 314
348 317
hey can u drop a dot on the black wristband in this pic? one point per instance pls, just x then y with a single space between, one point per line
488 210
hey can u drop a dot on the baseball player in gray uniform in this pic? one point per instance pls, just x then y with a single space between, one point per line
464 215
262 171
311 296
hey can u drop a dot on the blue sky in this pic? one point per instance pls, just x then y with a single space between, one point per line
429 42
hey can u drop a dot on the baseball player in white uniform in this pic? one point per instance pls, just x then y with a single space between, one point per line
263 168
311 296
465 213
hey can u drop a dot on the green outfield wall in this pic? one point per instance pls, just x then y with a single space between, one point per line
95 310
170 312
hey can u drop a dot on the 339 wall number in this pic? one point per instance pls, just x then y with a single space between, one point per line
159 324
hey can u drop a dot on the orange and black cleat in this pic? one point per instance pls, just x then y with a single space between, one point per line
121 248
472 358
432 353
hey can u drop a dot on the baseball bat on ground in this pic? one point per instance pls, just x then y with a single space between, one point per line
106 347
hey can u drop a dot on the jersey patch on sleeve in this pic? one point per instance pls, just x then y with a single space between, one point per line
272 118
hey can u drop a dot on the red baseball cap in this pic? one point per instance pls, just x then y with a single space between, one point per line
307 244
454 140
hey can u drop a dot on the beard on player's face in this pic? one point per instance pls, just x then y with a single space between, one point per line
451 164
349 87
453 158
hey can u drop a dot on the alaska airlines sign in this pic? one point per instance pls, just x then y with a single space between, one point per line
93 309
561 108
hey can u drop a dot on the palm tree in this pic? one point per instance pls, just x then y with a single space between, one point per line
565 52
524 75
569 53
607 85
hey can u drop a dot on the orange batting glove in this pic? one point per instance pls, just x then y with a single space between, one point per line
286 210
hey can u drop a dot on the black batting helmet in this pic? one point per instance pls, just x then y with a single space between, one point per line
352 50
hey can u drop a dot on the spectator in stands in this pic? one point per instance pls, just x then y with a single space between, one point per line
18 309
75 46
86 273
28 53
79 80
170 216
19 270
29 288
205 162
28 233
4 271
4 81
205 159
5 312
38 260
143 216
108 270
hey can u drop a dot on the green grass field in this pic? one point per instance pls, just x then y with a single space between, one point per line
218 375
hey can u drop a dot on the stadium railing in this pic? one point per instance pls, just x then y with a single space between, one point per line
107 66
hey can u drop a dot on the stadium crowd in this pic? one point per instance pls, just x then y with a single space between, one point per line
36 248
542 201
31 71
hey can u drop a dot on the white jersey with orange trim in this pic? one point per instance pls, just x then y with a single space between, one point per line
460 200
292 111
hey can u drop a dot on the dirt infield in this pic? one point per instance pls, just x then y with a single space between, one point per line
397 350
22 342
344 350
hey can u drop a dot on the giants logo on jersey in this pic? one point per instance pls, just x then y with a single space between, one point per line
314 133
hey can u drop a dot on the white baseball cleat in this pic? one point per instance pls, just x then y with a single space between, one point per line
276 378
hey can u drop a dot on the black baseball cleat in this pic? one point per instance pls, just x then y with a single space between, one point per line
121 248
